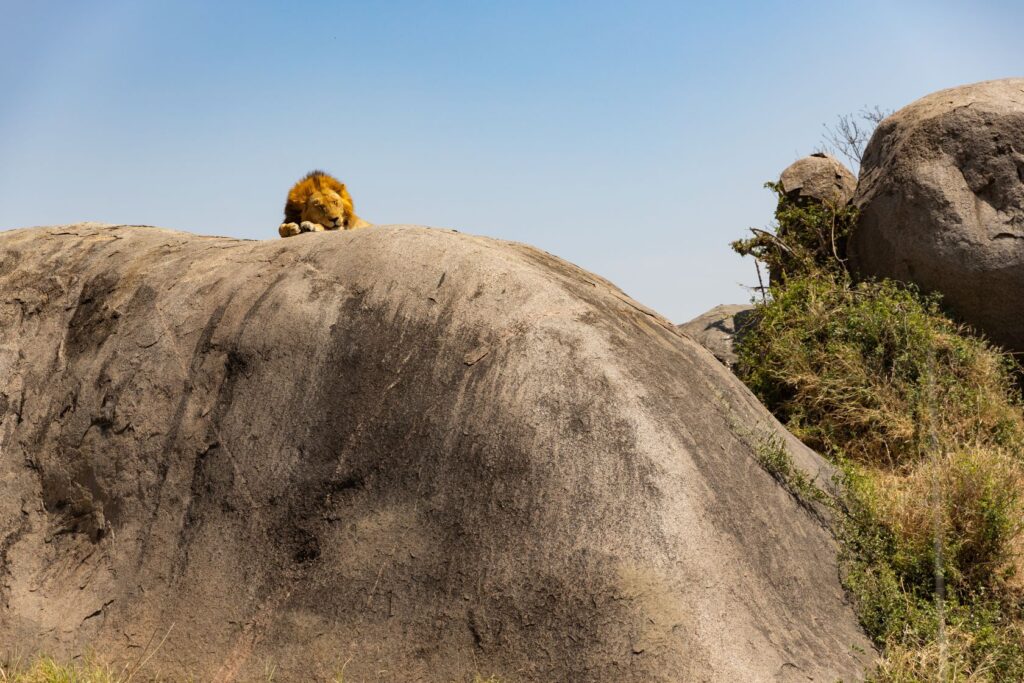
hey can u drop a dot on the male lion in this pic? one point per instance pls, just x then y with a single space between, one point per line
316 203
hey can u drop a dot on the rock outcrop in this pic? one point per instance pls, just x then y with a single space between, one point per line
819 177
941 196
717 329
409 453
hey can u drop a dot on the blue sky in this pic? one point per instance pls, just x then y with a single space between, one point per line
630 138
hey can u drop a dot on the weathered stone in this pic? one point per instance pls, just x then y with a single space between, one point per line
718 329
941 196
413 453
819 177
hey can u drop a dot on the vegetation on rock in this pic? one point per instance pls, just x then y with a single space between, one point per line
48 670
810 237
924 419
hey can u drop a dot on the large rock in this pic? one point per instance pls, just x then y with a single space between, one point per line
820 178
718 329
409 452
941 196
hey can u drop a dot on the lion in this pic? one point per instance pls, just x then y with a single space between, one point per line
316 203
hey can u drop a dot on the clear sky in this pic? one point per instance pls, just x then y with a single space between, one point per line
632 138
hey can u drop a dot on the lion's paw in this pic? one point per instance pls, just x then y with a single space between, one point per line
308 226
289 229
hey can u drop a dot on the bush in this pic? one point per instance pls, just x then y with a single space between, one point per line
861 370
964 506
925 420
810 237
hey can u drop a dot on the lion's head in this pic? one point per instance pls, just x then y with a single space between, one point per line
322 199
329 208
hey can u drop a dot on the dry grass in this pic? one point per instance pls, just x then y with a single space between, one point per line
917 662
971 500
46 670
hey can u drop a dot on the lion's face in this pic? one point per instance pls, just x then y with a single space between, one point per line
327 208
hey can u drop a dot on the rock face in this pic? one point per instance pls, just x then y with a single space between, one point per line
717 329
941 196
819 177
411 453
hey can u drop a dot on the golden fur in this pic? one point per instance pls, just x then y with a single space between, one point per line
316 203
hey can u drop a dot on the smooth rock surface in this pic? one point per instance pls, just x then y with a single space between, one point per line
941 196
819 177
409 453
717 329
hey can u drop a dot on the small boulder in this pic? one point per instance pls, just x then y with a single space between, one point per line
718 329
819 177
941 200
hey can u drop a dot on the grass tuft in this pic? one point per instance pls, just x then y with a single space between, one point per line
47 670
775 458
43 669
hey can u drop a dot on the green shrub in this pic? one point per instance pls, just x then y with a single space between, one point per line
858 370
924 418
810 237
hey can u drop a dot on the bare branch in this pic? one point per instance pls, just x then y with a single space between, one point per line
851 133
875 114
773 239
